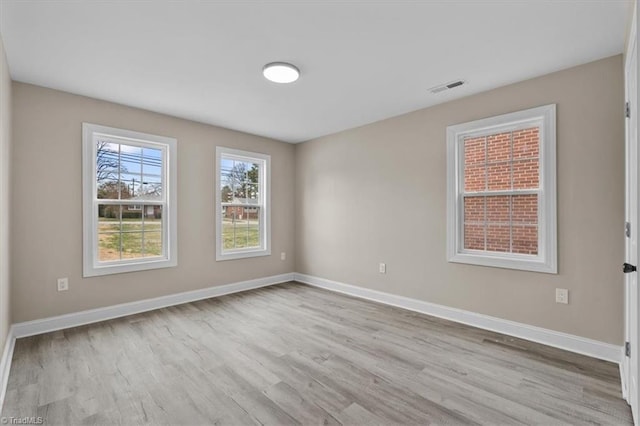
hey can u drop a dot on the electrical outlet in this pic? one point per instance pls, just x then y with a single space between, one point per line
283 256
63 284
562 295
383 268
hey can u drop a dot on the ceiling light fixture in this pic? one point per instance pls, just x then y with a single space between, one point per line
280 72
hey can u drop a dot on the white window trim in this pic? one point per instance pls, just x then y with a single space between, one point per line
91 265
265 203
546 260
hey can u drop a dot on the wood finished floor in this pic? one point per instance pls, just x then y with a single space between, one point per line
293 354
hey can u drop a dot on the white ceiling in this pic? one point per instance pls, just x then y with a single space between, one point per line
361 61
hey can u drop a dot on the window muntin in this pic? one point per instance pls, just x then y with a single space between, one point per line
129 201
242 204
501 191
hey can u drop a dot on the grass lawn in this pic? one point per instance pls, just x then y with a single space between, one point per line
241 234
136 240
132 236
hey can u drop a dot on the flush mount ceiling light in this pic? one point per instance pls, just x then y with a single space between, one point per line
280 72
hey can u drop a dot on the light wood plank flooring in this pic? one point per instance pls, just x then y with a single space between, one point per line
293 354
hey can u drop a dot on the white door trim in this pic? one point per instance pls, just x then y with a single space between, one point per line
5 364
629 365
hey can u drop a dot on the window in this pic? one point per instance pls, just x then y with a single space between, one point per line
242 204
129 201
501 191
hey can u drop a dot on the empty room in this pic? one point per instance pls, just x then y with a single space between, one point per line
274 212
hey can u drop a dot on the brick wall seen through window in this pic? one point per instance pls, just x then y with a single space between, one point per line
501 180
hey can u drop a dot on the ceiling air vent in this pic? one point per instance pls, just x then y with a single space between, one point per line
446 86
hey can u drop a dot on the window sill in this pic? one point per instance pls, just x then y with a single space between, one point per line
122 268
242 254
523 263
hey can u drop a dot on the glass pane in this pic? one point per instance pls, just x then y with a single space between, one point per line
525 239
151 189
152 218
107 161
474 178
239 173
131 244
238 180
474 209
498 210
109 232
239 192
252 191
241 236
130 186
152 162
253 226
152 228
129 231
253 173
499 147
498 238
526 174
226 194
108 247
499 176
226 166
108 214
152 244
228 228
132 216
525 209
526 143
108 189
240 227
138 171
130 158
474 151
473 237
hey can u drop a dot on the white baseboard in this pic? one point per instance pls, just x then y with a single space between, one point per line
45 325
556 339
569 342
5 364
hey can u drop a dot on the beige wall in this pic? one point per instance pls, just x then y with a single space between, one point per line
367 195
378 194
47 205
5 176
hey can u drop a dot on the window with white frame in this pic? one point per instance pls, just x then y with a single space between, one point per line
501 191
129 201
242 204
